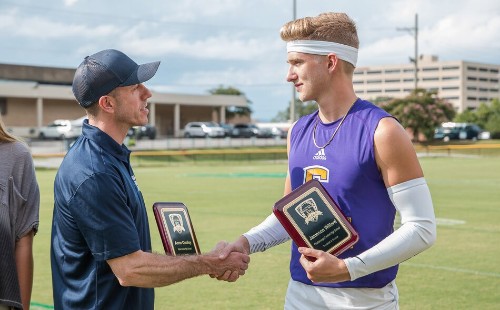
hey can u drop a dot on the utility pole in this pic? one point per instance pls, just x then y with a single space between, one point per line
292 103
414 31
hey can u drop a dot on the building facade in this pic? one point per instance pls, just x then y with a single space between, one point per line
32 97
464 84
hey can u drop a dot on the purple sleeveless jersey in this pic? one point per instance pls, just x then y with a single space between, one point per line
348 171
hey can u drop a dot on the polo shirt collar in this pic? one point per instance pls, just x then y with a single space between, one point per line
105 141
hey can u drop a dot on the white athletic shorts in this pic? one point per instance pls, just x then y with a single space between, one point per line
300 296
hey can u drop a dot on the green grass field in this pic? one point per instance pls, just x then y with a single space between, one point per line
461 271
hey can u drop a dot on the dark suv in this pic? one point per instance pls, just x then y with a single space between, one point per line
457 131
245 130
139 132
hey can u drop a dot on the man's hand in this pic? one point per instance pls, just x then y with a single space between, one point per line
231 262
226 250
323 267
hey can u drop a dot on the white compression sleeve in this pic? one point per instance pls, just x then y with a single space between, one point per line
418 230
266 235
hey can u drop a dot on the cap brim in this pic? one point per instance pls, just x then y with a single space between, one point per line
143 73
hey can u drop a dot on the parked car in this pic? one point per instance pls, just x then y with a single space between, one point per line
139 132
228 129
458 131
278 132
203 129
61 129
244 131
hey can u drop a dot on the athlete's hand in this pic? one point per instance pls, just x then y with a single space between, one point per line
225 249
323 267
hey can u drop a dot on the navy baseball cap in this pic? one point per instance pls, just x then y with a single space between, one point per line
106 70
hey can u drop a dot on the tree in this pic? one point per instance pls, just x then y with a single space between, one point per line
486 116
232 110
421 111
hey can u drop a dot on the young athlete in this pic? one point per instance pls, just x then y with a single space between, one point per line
367 163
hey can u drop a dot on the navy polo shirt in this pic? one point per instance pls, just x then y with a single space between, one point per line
99 214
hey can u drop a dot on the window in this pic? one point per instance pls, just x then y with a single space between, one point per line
447 78
494 70
393 81
3 106
374 81
431 69
374 72
408 70
373 91
494 80
471 88
450 68
471 78
393 71
472 68
393 90
358 82
451 88
431 79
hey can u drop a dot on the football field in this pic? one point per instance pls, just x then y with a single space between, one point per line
225 199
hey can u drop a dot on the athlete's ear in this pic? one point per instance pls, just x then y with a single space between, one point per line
332 61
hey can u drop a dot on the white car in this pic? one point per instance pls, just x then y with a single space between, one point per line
203 129
61 129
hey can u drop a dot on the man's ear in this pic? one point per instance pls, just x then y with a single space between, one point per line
107 104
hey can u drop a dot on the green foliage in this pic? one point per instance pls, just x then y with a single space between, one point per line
421 111
487 116
232 111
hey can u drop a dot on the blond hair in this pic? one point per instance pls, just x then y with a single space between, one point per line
332 27
4 135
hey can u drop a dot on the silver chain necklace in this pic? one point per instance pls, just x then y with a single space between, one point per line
334 133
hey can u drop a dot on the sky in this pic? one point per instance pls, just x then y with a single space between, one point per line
204 44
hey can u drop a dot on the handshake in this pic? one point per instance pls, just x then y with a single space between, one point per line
228 261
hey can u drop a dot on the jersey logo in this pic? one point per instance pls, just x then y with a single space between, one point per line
319 173
320 155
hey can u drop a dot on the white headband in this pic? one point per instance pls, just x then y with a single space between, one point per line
344 52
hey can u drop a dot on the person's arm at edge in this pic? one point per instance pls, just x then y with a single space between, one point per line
25 266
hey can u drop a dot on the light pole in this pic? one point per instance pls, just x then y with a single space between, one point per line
292 103
414 31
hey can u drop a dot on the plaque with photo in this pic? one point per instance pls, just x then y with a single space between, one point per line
314 220
175 227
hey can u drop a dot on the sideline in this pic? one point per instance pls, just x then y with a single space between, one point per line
36 306
451 269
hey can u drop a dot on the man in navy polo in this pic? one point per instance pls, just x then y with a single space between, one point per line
101 248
